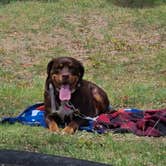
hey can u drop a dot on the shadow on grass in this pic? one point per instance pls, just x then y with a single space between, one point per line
22 158
137 3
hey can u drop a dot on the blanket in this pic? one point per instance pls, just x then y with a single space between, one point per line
139 122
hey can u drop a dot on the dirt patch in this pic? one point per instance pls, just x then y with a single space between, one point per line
88 36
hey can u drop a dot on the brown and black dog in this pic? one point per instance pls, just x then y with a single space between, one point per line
66 92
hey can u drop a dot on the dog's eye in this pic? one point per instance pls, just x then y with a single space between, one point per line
71 68
60 66
70 65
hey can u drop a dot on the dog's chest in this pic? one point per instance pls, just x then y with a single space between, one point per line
65 110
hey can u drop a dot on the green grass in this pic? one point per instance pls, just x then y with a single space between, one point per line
117 149
123 49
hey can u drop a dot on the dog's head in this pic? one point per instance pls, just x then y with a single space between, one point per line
65 73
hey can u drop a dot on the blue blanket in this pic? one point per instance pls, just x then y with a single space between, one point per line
32 116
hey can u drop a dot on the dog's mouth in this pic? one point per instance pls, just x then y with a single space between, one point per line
65 87
65 92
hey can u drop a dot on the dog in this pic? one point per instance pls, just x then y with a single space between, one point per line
68 98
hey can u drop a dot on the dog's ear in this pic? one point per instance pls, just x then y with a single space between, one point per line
49 67
81 70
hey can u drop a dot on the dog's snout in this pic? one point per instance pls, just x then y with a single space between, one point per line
65 76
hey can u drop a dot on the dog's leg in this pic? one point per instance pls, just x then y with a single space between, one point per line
100 100
52 125
71 128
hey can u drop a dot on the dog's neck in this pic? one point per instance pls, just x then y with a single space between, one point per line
65 110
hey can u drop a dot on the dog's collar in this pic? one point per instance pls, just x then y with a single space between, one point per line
65 110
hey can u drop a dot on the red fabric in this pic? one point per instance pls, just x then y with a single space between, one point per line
143 123
41 108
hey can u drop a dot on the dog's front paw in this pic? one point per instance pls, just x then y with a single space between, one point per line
71 128
68 130
53 127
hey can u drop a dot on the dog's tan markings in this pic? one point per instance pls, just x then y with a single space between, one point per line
71 128
56 78
60 65
70 65
52 125
74 80
98 101
97 96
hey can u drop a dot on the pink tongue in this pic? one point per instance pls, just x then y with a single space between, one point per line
65 93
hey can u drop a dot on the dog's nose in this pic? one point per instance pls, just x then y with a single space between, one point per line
65 76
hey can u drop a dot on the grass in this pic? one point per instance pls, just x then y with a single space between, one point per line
117 149
123 50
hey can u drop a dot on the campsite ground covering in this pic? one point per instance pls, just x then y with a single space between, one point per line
123 49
